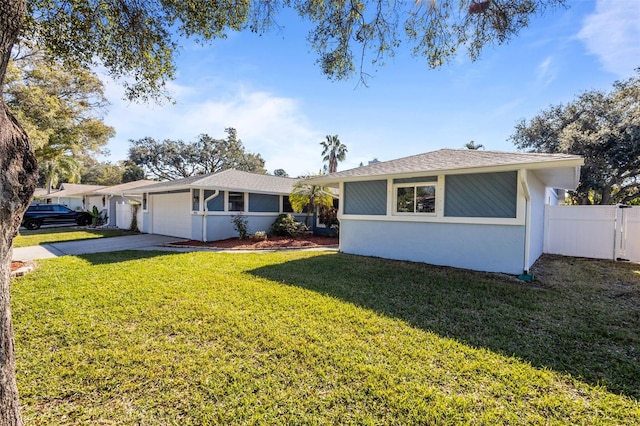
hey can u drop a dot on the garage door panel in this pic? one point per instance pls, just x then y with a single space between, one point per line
171 215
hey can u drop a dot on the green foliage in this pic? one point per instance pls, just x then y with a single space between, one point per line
307 197
280 172
329 218
97 218
604 128
61 110
473 145
132 172
102 173
135 207
333 151
170 160
150 338
138 39
285 225
241 225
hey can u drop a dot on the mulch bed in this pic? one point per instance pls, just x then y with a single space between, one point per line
270 243
17 264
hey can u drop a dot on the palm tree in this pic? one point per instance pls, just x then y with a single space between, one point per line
333 151
305 196
472 145
64 166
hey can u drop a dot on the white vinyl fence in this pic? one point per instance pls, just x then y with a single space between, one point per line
601 232
124 214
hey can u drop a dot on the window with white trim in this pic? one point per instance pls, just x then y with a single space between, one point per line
236 201
418 198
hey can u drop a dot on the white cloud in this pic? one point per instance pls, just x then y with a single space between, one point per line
546 72
270 125
612 33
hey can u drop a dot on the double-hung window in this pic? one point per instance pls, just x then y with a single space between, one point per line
417 198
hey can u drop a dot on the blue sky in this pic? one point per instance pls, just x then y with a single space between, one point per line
270 89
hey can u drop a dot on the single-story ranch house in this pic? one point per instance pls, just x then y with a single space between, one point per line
202 207
480 210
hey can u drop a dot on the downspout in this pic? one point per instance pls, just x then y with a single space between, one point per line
109 212
204 213
522 174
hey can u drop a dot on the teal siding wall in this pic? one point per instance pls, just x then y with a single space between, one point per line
215 204
481 195
264 203
367 198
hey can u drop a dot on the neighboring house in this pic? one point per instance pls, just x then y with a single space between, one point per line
72 196
479 210
202 207
117 206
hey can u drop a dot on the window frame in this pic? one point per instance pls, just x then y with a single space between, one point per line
229 202
414 186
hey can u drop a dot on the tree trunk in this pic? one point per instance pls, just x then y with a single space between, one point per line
18 175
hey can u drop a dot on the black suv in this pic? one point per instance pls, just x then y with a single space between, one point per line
39 214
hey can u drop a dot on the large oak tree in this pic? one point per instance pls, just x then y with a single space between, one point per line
603 127
135 41
169 159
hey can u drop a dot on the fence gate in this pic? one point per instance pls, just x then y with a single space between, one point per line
124 214
601 232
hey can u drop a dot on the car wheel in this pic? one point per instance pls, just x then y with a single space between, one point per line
32 224
84 221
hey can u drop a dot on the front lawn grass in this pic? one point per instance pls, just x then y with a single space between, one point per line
58 235
319 338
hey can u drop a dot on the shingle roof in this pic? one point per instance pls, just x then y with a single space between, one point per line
72 190
123 187
229 180
449 160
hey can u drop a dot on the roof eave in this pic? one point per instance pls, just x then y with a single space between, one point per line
538 165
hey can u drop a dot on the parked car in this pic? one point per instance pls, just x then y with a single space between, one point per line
49 214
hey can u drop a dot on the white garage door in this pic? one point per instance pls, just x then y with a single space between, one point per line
171 214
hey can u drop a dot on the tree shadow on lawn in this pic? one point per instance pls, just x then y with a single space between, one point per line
103 258
583 326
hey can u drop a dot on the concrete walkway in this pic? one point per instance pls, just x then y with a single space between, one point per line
96 245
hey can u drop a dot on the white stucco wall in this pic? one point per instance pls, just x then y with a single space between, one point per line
538 194
492 248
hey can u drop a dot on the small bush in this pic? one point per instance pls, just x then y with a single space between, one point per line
241 225
329 218
258 236
286 226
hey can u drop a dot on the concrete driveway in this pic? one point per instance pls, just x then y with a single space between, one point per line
95 245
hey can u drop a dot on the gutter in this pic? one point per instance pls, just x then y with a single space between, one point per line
204 212
522 176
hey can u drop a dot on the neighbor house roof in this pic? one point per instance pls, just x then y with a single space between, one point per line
456 160
72 190
228 180
123 187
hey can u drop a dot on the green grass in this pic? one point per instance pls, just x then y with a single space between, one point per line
317 338
58 235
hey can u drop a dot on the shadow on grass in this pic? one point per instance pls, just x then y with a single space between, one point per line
104 258
69 233
587 327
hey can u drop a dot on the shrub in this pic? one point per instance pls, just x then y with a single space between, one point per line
259 236
241 225
329 218
286 226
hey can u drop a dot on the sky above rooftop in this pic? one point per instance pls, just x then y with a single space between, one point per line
270 89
